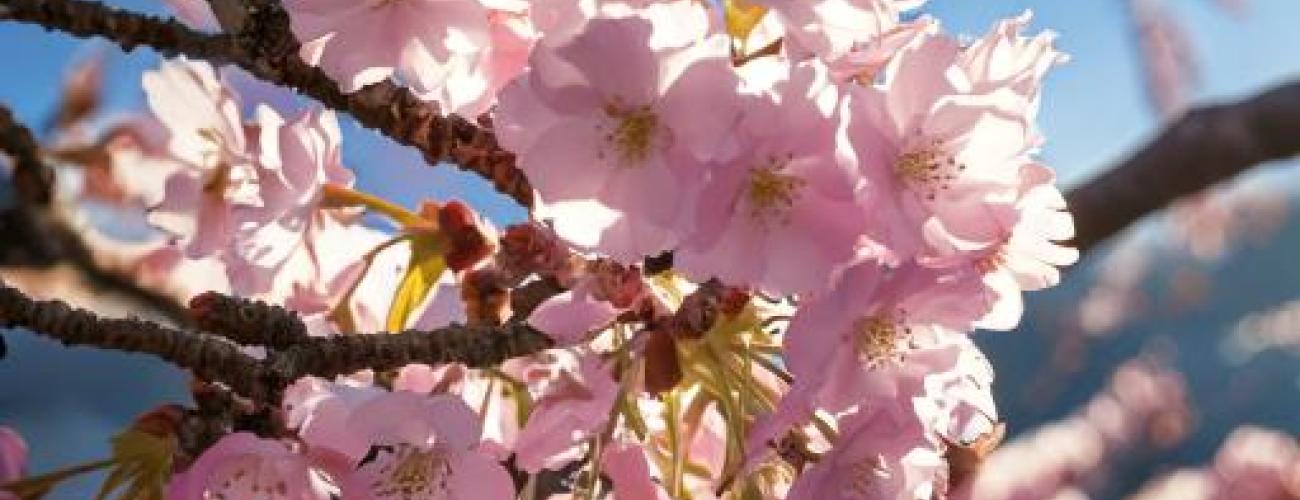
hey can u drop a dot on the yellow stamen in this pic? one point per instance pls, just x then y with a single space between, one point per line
634 134
770 193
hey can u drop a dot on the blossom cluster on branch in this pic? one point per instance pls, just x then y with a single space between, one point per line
760 236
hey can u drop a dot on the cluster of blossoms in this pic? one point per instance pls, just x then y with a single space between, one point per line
1252 463
1145 407
845 191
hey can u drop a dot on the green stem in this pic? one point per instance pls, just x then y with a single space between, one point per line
342 196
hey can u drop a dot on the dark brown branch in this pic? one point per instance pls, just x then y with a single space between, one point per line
1206 146
266 49
31 177
217 359
246 321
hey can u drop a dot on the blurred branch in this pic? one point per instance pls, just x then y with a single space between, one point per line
31 177
1206 146
265 47
217 359
34 236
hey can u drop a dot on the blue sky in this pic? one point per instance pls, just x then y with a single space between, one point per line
1094 111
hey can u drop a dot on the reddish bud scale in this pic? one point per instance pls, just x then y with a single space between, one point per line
486 297
468 243
662 369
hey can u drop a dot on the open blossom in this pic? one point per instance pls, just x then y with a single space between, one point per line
247 195
850 342
780 216
457 53
939 157
1025 255
422 447
616 155
242 465
881 453
297 158
206 132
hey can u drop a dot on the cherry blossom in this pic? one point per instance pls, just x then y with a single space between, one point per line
13 459
853 338
206 132
881 454
242 465
574 407
614 155
941 155
422 447
768 218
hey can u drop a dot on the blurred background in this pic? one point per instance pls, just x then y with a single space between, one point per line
1159 343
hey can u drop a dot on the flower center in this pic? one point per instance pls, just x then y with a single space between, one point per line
248 475
407 471
928 168
877 338
770 193
634 132
864 476
992 261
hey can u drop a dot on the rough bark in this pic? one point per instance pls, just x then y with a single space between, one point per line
1208 145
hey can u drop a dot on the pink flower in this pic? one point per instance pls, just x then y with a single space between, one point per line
296 159
864 62
615 155
470 88
421 447
242 465
13 459
574 407
319 411
782 215
196 14
851 342
457 53
1026 252
247 195
832 28
207 134
935 155
880 454
1005 59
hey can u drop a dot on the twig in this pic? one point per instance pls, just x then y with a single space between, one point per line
217 359
266 49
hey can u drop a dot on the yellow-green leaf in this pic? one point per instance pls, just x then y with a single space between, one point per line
143 465
422 274
742 17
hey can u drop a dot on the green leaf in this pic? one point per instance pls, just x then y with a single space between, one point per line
742 17
422 273
143 466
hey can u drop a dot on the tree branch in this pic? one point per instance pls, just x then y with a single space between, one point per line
1206 146
267 49
32 178
217 359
